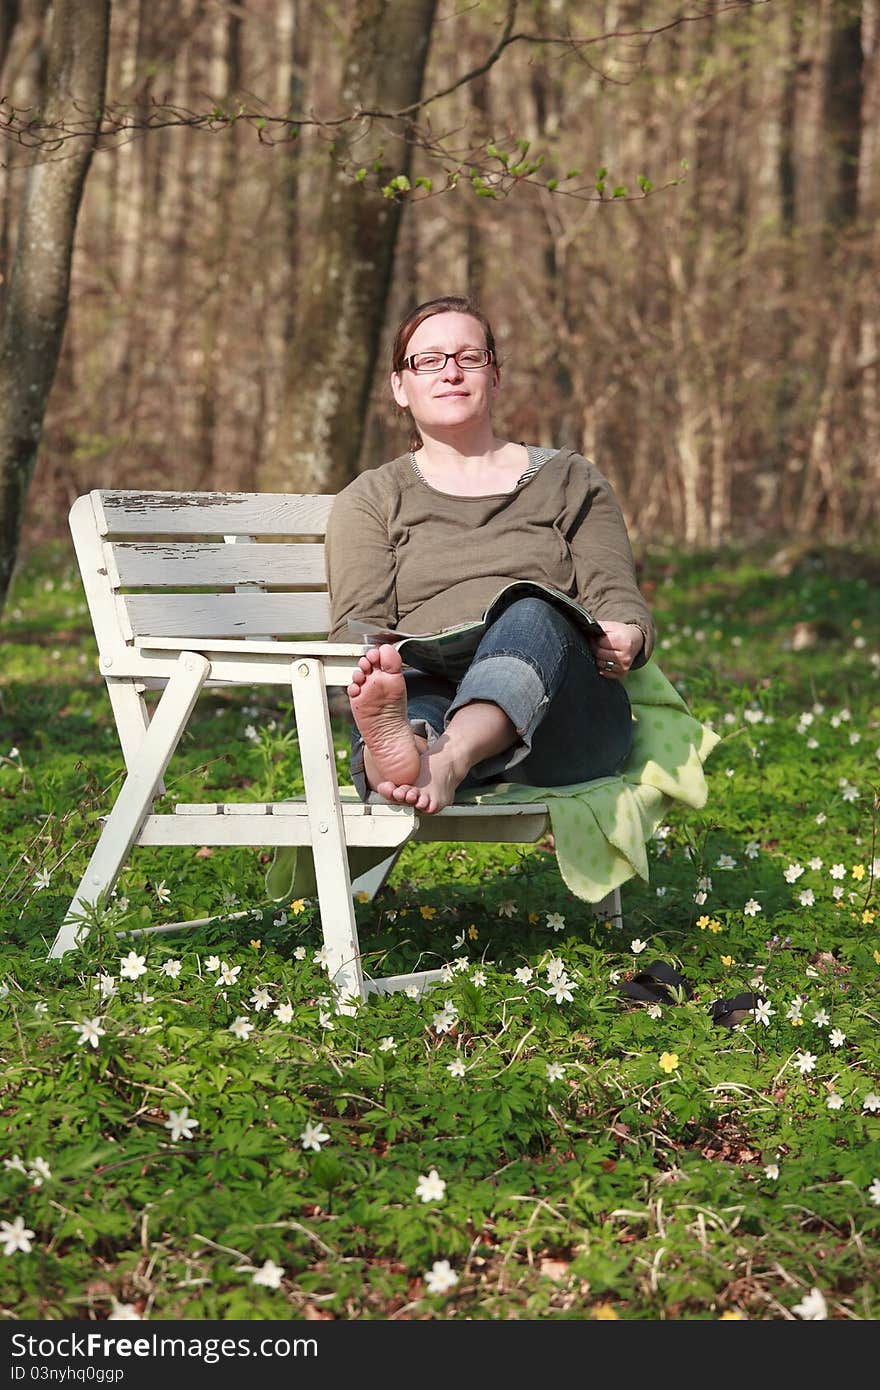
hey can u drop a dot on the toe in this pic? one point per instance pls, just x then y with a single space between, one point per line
389 659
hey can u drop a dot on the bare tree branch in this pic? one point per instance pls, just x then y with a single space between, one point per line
119 123
559 40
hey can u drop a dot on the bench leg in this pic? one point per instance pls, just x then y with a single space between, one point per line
327 828
132 718
372 881
609 908
123 824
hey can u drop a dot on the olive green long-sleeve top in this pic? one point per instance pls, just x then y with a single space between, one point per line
402 555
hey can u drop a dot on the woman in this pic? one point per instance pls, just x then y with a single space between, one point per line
426 541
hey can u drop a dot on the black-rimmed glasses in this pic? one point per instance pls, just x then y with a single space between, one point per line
469 359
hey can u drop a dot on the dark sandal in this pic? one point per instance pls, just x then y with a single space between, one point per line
730 1012
654 984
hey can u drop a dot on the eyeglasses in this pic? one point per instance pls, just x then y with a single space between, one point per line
469 359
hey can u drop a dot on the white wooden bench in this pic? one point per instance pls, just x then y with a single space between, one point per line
189 590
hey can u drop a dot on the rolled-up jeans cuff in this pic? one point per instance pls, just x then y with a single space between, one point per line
356 766
420 727
513 684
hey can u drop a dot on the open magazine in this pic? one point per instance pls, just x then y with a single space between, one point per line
453 647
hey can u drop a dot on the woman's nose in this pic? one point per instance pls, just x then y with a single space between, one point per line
452 371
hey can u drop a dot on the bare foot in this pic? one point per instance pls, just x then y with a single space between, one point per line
476 731
435 785
377 695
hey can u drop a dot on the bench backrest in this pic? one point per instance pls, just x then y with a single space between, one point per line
202 564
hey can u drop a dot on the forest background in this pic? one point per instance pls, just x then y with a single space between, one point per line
669 211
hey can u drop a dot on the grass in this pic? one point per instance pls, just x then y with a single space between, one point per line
591 1157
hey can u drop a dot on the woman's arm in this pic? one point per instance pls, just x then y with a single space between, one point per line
606 572
360 562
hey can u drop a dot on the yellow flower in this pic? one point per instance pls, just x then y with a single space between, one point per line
703 921
608 924
732 1316
256 943
472 932
668 1061
858 871
603 1312
797 1023
868 917
298 906
362 897
428 912
715 925
728 960
534 918
877 957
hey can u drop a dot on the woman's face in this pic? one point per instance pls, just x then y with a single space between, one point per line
452 398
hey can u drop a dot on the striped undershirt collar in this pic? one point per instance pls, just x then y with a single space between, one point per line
538 456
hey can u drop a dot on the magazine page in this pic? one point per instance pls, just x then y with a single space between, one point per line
452 646
522 588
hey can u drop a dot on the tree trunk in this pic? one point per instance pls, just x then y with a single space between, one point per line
136 254
563 306
293 27
221 171
810 152
343 291
36 309
22 74
280 271
480 126
869 295
178 212
691 407
823 482
843 113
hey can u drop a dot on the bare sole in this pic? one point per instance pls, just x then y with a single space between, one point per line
377 696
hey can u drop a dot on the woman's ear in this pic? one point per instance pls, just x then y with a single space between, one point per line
397 391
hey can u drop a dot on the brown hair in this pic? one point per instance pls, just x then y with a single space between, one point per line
446 304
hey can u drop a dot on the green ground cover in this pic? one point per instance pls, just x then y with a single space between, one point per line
189 1131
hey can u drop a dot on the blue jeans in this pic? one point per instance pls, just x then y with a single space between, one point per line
572 724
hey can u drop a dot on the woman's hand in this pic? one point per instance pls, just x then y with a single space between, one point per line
616 650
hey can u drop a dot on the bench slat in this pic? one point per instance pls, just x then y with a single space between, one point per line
226 615
264 830
509 810
129 513
188 565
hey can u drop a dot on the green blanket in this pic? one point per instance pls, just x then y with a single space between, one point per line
600 828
